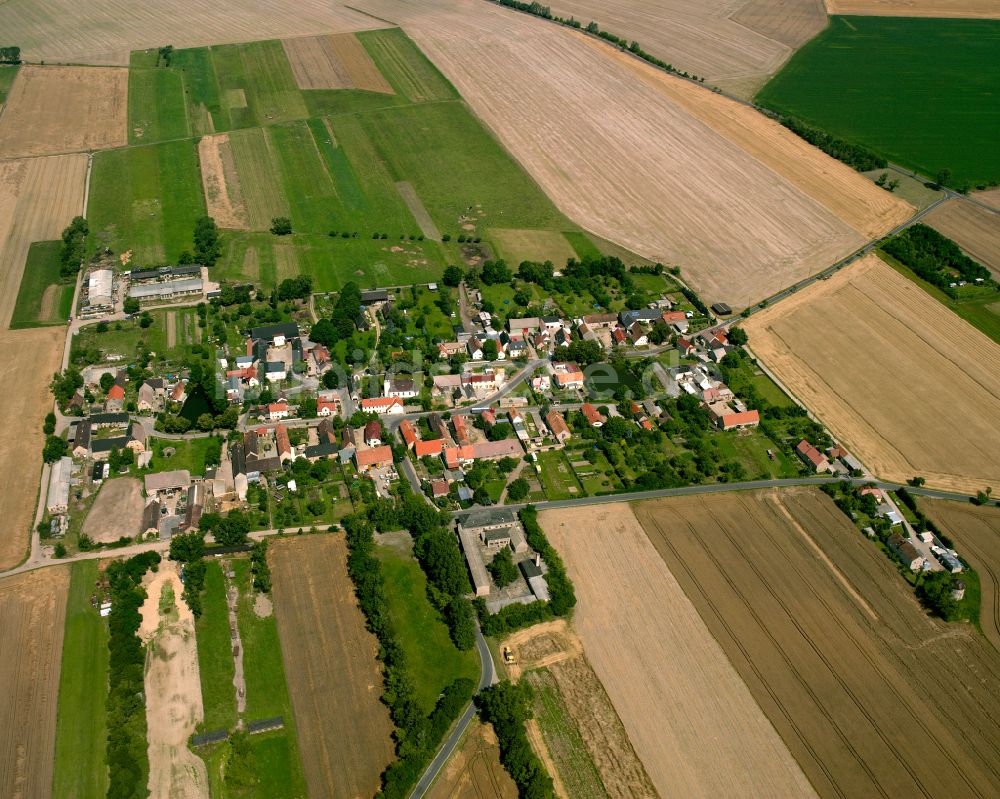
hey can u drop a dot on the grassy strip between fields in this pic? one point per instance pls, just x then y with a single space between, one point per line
40 278
215 654
81 732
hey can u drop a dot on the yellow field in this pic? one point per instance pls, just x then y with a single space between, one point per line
909 387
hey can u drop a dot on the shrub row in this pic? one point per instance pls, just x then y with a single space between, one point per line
854 155
507 706
259 569
189 548
416 736
562 598
127 759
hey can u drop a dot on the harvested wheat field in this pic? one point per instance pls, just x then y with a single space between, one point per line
221 182
34 356
38 198
625 160
334 679
32 613
668 679
974 229
719 40
173 688
976 534
105 31
64 110
872 696
338 61
979 9
991 197
116 512
550 658
474 770
908 386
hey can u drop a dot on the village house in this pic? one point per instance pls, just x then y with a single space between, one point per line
116 399
557 424
906 552
152 395
432 447
439 488
567 375
373 458
385 406
812 457
408 433
399 386
277 410
373 433
592 415
166 483
285 451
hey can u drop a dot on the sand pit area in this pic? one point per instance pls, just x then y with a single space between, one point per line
64 110
117 511
670 682
908 386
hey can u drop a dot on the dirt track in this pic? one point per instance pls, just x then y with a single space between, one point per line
623 159
668 679
64 110
980 9
911 388
334 679
901 706
975 533
32 614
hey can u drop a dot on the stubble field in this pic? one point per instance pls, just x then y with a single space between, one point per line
872 696
338 61
976 534
104 31
63 110
334 679
662 182
474 770
910 388
731 43
38 199
667 678
974 229
979 9
32 613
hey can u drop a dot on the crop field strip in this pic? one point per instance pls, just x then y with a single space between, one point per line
925 369
338 61
861 80
838 685
976 534
605 165
32 615
981 9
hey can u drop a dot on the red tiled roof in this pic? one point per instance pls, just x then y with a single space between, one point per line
376 456
674 316
439 488
556 423
380 402
738 419
407 431
116 393
432 447
593 415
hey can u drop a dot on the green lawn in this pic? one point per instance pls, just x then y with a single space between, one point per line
190 455
7 75
122 338
41 271
80 771
922 92
215 654
146 199
432 660
594 476
981 312
557 476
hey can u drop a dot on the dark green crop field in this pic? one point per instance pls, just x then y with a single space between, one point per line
925 93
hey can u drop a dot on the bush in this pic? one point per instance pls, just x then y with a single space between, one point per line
502 568
281 226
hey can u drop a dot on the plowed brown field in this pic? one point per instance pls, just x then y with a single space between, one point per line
983 9
911 388
104 31
32 614
667 678
333 676
333 62
221 182
897 704
38 198
974 229
720 40
64 110
976 534
629 162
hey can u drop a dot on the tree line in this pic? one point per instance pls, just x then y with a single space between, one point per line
73 248
416 736
934 258
10 55
854 155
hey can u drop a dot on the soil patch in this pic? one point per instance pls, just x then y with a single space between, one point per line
221 183
117 511
474 770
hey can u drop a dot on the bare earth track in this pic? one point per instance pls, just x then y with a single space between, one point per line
32 614
976 533
64 110
221 182
668 679
901 705
629 162
911 388
334 680
974 229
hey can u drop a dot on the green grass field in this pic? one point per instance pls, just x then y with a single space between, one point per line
7 75
215 655
157 109
146 199
41 270
408 71
922 92
432 660
81 734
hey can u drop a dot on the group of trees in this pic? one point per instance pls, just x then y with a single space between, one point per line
126 707
341 323
854 155
65 384
416 735
189 549
10 55
281 226
207 247
260 572
507 706
72 250
231 530
934 593
295 288
936 258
